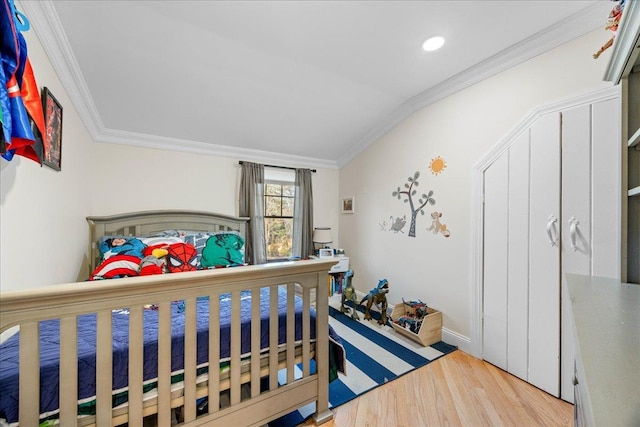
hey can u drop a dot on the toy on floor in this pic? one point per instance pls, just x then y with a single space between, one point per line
415 312
377 296
349 294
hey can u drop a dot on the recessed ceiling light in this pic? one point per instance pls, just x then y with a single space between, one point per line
434 43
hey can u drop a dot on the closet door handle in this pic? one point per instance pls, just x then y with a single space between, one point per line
573 232
550 229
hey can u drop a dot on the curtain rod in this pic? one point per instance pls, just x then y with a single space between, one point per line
278 167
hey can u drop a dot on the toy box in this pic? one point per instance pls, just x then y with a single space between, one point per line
423 328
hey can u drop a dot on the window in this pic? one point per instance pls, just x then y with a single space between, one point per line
278 218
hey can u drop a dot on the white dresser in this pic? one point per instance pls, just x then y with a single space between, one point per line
605 318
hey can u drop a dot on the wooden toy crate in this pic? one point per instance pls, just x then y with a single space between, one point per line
430 331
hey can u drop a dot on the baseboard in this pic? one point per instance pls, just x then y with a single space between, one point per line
463 343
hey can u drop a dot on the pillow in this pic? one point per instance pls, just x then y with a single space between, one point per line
223 249
131 245
199 240
117 266
120 245
181 257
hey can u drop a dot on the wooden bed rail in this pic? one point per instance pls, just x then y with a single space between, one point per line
68 301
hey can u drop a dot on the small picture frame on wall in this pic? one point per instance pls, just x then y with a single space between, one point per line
52 138
347 205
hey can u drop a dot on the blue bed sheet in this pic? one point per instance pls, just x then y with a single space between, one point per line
49 347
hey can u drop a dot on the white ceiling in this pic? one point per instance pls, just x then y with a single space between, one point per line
304 83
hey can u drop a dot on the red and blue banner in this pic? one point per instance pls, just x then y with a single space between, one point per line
22 115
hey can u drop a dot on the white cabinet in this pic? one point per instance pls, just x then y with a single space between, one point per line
551 206
624 69
605 314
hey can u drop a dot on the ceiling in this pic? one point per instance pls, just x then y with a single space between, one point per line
301 83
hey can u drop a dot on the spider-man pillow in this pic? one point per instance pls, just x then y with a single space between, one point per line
181 257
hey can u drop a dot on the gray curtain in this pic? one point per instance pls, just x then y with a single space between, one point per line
251 204
303 215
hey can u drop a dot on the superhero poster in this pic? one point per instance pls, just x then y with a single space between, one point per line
53 130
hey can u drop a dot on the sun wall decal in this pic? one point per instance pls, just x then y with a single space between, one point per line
437 165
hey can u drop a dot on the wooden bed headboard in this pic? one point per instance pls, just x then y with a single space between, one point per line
144 223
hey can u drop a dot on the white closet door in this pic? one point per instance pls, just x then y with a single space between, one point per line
518 259
576 221
576 190
544 273
495 262
590 205
606 176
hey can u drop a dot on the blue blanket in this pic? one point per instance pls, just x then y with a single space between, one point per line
50 344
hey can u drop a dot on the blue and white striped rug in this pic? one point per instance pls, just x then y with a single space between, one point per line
375 355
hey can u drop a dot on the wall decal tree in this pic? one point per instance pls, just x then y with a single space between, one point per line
409 192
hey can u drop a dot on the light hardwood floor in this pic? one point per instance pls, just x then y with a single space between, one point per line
455 390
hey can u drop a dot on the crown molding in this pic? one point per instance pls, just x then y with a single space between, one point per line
588 20
111 136
48 28
541 42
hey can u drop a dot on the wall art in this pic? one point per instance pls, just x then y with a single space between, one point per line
408 194
52 139
348 205
437 226
437 165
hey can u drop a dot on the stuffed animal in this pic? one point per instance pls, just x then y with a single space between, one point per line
612 25
154 260
377 296
151 265
349 294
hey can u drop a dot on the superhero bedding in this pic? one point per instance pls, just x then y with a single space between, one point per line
50 341
169 251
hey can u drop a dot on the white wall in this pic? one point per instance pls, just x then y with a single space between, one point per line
325 202
43 231
460 129
133 178
129 179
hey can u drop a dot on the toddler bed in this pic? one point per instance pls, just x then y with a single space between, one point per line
138 349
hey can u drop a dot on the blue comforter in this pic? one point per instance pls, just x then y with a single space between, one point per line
49 347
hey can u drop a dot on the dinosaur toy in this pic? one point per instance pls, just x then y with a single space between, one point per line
349 294
377 296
